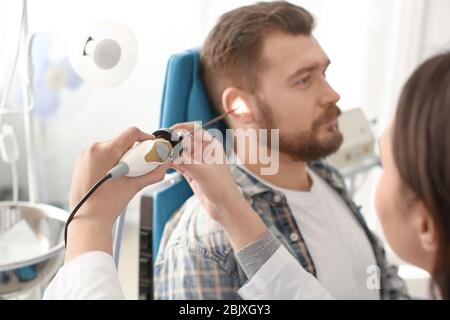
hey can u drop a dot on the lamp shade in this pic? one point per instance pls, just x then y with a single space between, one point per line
103 55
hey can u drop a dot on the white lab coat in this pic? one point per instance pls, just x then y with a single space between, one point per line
93 276
90 276
283 278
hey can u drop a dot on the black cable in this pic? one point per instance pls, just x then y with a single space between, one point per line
82 201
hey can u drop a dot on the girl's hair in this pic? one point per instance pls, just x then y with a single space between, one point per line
422 151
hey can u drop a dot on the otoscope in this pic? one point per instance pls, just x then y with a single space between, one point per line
143 158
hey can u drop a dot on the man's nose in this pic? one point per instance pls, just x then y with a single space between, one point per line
330 96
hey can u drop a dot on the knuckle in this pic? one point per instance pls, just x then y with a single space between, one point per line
133 130
95 149
111 148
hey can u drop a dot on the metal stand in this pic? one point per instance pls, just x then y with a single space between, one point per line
118 237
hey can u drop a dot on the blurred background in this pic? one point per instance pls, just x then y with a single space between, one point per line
374 45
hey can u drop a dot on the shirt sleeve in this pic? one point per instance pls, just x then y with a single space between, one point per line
90 276
252 257
283 278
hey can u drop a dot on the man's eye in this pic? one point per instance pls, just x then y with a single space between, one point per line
302 81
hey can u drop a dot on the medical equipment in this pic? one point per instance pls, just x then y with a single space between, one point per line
357 153
109 53
143 158
358 142
31 247
9 151
149 155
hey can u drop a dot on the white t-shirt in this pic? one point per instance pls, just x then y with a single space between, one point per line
337 243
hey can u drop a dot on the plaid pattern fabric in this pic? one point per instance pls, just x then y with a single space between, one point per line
196 260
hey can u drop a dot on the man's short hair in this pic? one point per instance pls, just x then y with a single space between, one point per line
231 54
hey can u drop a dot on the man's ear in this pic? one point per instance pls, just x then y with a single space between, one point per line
425 228
235 98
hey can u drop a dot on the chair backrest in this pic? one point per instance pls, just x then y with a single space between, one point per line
184 99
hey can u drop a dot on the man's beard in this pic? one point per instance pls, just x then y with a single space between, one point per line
304 145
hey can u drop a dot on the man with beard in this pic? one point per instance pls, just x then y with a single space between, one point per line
263 60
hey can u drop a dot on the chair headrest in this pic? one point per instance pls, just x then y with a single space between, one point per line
184 96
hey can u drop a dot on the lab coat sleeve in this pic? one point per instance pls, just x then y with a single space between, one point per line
283 278
90 276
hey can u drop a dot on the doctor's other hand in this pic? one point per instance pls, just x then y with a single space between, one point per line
203 164
112 197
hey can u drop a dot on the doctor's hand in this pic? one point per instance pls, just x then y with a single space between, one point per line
203 164
91 228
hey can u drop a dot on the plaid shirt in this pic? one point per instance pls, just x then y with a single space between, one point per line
196 260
